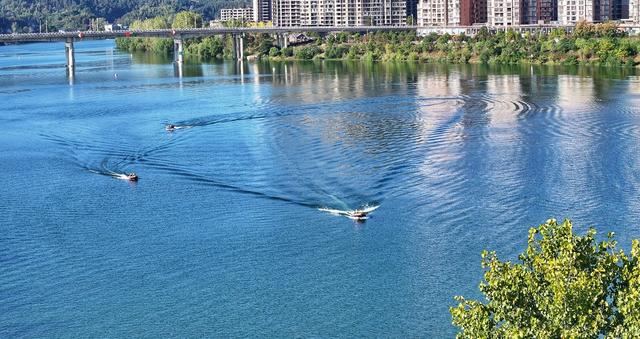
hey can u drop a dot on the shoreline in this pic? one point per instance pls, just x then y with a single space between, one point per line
588 44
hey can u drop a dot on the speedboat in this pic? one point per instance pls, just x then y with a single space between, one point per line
357 215
132 176
170 127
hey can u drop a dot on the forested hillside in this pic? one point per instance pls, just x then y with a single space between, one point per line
53 15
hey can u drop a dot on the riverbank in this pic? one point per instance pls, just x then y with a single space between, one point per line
589 44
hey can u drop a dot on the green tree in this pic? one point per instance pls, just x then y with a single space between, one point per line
565 286
187 19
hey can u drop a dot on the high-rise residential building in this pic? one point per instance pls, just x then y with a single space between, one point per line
546 11
242 14
573 11
603 10
320 13
261 10
537 11
634 11
433 13
345 13
529 11
451 12
412 10
285 13
620 9
479 15
505 12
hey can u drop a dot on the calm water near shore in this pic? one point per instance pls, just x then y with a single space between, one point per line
223 236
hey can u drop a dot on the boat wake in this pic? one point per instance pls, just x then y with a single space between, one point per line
116 175
172 127
105 169
113 163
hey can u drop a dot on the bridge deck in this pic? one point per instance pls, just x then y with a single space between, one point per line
188 33
203 32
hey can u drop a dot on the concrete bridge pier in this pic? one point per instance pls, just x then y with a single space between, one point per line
282 40
178 51
238 46
71 60
234 46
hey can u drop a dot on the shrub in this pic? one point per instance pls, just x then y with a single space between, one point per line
274 52
335 52
307 53
287 52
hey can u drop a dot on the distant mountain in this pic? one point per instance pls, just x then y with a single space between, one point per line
54 15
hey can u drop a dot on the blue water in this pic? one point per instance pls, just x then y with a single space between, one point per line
223 236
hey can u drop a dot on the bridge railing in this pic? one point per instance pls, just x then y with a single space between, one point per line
208 31
186 32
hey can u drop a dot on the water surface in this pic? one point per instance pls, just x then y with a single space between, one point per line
223 236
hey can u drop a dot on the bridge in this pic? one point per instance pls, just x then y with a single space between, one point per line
178 36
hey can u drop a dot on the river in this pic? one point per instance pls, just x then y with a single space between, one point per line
223 235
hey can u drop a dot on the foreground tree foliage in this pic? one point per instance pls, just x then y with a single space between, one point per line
565 286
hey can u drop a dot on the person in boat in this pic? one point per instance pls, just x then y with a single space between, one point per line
171 127
132 176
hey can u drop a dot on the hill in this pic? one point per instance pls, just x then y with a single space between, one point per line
54 15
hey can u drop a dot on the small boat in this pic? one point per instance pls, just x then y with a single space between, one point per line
357 215
170 128
131 176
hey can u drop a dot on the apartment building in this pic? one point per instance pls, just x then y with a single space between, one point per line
479 14
539 11
412 10
573 11
320 13
451 12
261 10
433 13
493 12
620 9
603 10
343 13
504 12
241 14
634 11
286 13
546 11
522 12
